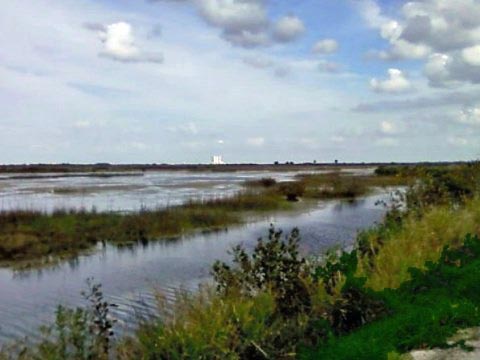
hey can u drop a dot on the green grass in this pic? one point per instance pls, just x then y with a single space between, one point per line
416 241
423 312
205 327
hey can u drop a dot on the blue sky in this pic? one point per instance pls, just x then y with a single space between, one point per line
253 80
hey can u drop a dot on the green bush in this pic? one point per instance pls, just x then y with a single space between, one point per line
275 265
266 182
260 308
388 170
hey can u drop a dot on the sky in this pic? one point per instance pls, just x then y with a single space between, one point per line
177 81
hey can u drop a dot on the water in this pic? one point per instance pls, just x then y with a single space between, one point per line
131 276
150 190
127 192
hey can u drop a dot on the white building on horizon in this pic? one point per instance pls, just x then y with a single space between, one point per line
217 160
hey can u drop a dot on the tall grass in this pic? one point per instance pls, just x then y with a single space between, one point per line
339 185
424 312
415 242
206 326
440 209
30 235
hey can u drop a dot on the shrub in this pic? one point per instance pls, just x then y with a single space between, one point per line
336 185
275 265
387 170
266 182
292 190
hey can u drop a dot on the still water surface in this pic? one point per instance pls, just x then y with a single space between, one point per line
127 192
131 276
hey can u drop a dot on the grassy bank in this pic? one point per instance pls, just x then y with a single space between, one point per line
422 312
391 251
29 237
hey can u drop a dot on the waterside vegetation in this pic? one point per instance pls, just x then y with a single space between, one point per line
272 303
35 238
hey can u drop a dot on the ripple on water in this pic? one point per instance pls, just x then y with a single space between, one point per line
130 276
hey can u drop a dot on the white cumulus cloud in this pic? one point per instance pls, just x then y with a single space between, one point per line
395 83
471 55
470 116
232 15
445 33
436 69
245 23
119 44
391 30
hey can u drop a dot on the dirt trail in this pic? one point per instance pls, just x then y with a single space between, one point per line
472 339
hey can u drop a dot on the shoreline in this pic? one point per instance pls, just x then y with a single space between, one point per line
288 166
33 237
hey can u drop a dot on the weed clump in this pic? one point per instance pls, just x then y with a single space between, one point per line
266 182
80 333
275 265
292 190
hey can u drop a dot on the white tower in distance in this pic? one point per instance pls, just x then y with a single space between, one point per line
217 160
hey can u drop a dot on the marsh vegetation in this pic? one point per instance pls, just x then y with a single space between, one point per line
34 237
410 282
